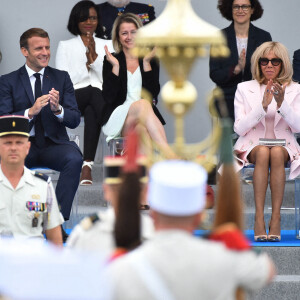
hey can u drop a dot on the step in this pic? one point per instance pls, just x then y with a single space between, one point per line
286 259
283 287
287 218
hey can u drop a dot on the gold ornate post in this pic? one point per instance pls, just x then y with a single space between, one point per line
180 36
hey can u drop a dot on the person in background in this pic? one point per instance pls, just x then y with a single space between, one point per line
242 39
296 65
177 197
46 96
111 9
82 57
124 76
28 206
268 107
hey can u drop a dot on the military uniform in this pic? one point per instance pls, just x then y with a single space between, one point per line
176 264
109 13
24 210
95 233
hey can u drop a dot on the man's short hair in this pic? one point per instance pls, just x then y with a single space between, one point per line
39 32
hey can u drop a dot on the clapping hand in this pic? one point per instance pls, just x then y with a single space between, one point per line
38 105
147 59
241 62
110 58
90 53
113 61
150 55
54 99
268 95
278 92
242 59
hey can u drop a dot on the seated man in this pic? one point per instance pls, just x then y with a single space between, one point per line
28 204
174 264
110 9
46 96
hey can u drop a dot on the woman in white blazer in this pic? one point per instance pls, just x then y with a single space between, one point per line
82 57
268 107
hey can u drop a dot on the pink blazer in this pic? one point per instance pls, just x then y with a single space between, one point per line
250 120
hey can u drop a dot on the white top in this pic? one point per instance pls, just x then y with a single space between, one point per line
134 85
186 268
15 217
99 236
71 57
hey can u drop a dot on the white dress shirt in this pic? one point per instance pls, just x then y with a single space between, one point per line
32 82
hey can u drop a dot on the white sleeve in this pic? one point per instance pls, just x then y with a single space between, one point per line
97 65
252 270
291 113
244 121
70 60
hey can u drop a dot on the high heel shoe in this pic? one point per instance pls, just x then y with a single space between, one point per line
260 237
273 237
86 175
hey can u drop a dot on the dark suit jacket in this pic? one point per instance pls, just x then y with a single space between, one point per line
114 88
296 65
16 96
109 13
221 70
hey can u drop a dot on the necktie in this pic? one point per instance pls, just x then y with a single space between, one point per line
38 125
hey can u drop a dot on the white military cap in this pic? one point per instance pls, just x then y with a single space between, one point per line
177 188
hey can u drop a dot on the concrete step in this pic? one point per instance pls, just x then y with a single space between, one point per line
283 287
286 259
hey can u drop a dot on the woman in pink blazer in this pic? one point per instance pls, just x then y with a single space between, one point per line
268 107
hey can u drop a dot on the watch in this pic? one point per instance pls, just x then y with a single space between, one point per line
59 110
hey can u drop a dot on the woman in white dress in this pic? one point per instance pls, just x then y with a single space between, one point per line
124 76
82 57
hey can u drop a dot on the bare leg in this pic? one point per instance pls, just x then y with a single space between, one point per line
145 143
142 110
279 156
260 156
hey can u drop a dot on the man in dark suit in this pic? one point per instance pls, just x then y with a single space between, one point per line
46 96
111 9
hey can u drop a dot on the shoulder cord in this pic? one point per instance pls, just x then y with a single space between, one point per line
49 201
151 278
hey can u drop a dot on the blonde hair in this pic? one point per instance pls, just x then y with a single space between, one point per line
125 18
286 73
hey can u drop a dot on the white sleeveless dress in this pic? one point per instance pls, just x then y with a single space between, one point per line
114 125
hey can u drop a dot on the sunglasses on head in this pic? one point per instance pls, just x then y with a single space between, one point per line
274 61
